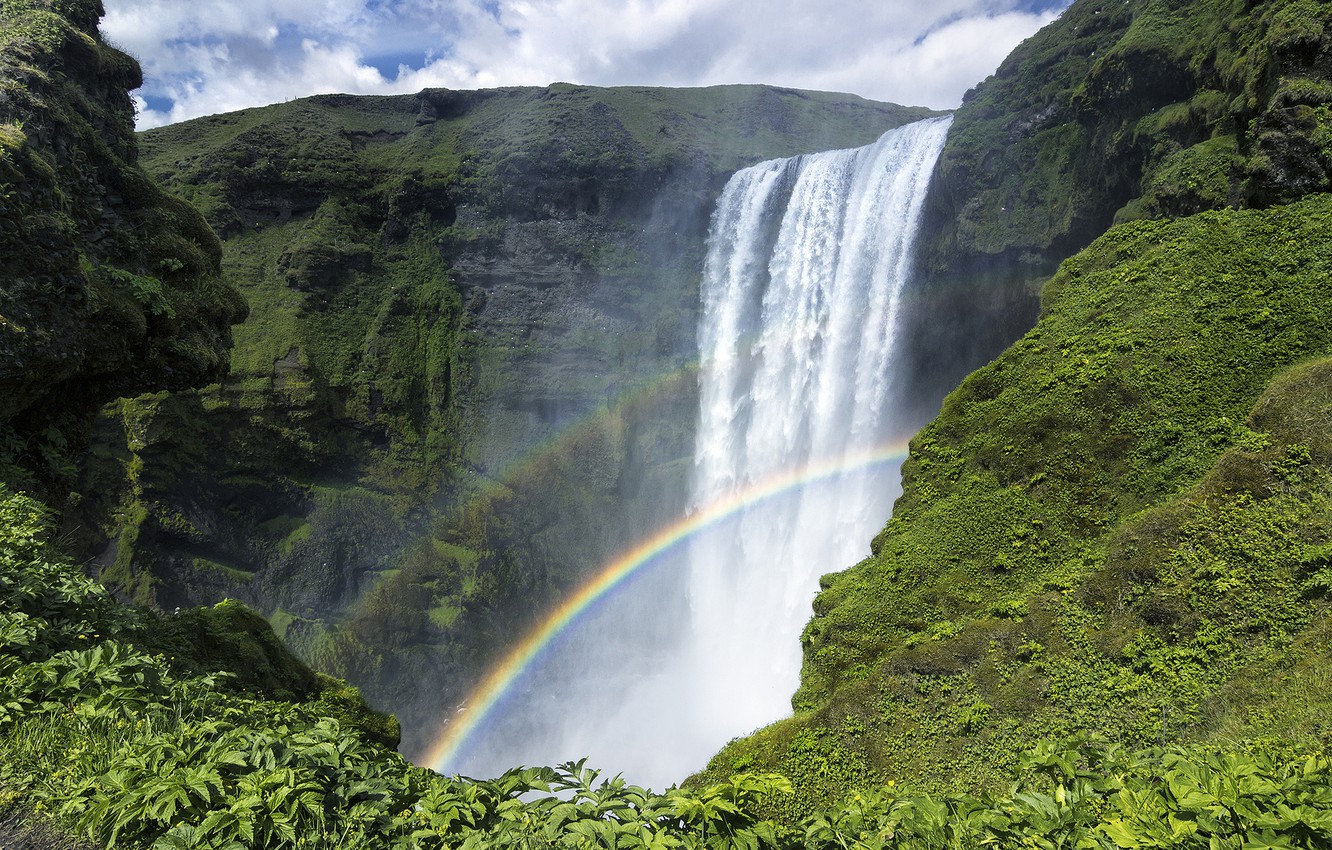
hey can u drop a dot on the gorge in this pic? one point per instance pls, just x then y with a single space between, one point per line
468 379
466 382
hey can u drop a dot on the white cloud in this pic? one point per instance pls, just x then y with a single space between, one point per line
230 54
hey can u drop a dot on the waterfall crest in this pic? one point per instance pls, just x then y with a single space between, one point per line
801 298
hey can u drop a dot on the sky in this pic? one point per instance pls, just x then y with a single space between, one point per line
202 58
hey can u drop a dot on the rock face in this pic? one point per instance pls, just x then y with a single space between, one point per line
466 377
110 286
1116 111
1127 110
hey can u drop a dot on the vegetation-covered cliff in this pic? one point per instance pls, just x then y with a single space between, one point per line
1127 110
1116 111
1118 530
110 285
1120 525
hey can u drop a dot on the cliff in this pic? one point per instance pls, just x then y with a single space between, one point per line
110 285
1117 527
1115 112
1121 111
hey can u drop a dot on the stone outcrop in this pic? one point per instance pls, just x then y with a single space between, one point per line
110 286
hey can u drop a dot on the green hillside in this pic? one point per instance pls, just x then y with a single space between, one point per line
1119 525
1099 615
1114 112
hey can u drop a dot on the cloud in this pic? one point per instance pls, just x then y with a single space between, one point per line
230 54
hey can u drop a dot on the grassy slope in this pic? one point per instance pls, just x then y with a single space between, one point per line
1101 530
137 731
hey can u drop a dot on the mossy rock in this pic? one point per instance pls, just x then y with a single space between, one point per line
110 285
229 636
1123 110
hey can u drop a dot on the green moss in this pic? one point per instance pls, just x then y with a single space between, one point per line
229 636
47 30
1298 25
231 572
1128 110
290 531
110 286
1195 178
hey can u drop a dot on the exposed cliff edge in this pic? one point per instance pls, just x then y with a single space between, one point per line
110 286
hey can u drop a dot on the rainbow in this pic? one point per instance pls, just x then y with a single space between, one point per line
529 461
487 694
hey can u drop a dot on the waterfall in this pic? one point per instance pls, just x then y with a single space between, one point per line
801 296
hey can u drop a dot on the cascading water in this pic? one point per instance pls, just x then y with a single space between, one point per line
798 334
802 291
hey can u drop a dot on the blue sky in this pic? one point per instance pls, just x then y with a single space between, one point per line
221 55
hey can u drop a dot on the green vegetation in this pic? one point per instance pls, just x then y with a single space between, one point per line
119 725
1117 535
110 285
1118 526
